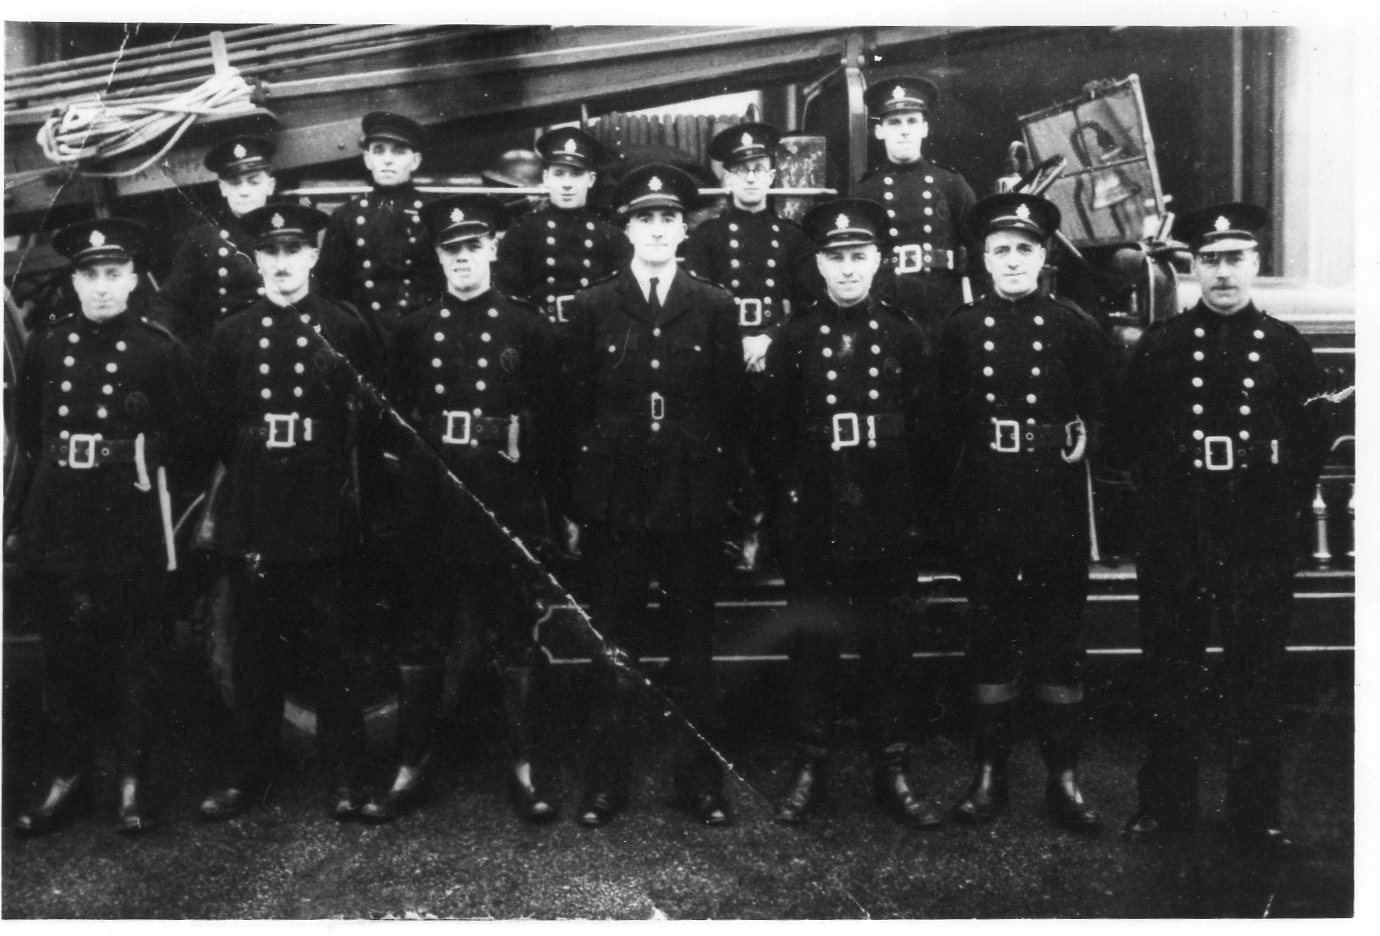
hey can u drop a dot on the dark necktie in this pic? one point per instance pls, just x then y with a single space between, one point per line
654 301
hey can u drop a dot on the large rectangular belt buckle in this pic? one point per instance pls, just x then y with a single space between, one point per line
852 437
81 450
459 426
1006 435
909 258
658 407
282 430
749 313
1218 453
560 307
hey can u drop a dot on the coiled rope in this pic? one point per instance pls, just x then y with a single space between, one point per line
90 131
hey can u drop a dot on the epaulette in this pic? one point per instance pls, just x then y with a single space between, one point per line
940 165
157 328
521 302
704 279
53 317
868 175
707 281
1289 327
606 278
889 308
965 307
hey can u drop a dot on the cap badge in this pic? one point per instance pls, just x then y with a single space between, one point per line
1222 224
654 183
1023 212
841 222
747 140
570 146
277 220
897 93
239 151
97 239
457 216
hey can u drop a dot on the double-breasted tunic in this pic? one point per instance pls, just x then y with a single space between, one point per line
659 402
213 274
926 203
100 406
766 262
377 255
282 385
548 255
849 391
1015 375
476 378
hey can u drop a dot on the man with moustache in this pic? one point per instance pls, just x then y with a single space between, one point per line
1225 430
474 373
283 376
106 402
656 365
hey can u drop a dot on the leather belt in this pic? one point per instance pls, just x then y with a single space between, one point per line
1012 437
286 430
1216 453
84 450
850 430
461 427
913 258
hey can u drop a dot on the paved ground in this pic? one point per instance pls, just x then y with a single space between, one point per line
464 856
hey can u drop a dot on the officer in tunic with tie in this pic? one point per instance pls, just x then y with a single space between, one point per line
924 201
475 374
375 254
1226 436
213 271
106 402
850 394
547 255
1026 383
766 261
656 362
283 378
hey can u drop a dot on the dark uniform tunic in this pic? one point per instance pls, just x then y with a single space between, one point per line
476 379
851 391
213 274
546 256
1225 452
926 203
93 531
376 255
281 383
764 260
660 401
1014 375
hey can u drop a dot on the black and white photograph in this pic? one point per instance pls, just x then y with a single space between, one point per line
753 466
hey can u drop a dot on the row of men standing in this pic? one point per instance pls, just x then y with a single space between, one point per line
658 365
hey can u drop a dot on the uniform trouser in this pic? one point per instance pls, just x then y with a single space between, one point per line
290 629
872 602
1027 619
686 566
481 607
1251 599
101 635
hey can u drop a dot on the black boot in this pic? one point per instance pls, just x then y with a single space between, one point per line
1060 746
419 699
608 762
806 790
134 817
67 796
892 785
532 802
986 797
